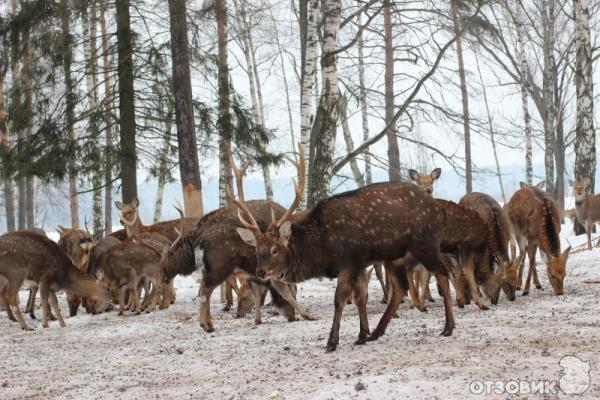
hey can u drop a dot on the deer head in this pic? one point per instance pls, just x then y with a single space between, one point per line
557 268
425 181
128 212
77 244
509 276
272 245
579 189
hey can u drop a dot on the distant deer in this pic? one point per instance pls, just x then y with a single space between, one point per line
587 208
343 234
505 275
536 221
421 276
25 255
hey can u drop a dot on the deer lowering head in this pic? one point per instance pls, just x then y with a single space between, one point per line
77 245
425 181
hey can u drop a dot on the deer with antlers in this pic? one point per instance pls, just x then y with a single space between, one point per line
345 233
587 208
536 221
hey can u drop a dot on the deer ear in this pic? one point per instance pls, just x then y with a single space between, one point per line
545 257
565 254
247 236
285 230
571 182
119 205
435 174
541 185
523 185
61 230
414 175
136 202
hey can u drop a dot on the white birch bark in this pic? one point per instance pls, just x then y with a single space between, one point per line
363 103
548 88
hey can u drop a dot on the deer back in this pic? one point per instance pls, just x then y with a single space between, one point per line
464 229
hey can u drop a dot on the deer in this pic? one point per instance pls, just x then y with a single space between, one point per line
217 251
418 274
342 235
29 256
535 219
587 207
505 276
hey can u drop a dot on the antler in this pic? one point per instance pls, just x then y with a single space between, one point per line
252 225
179 231
299 188
239 173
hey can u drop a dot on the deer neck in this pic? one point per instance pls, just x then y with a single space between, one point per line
134 228
304 261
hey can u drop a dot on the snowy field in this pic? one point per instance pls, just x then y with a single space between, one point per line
166 355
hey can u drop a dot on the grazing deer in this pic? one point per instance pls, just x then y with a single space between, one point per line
345 233
77 245
130 219
587 208
535 218
29 256
218 252
505 276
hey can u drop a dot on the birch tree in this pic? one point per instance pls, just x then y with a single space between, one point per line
362 92
5 143
585 135
549 16
108 121
393 149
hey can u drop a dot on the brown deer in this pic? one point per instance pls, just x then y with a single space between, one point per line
130 219
506 273
587 208
26 255
218 252
419 275
77 245
535 218
345 233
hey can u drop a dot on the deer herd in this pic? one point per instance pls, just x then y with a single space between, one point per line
259 247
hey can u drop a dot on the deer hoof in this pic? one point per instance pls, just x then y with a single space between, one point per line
539 287
360 341
447 332
308 317
483 307
422 308
525 293
460 305
330 348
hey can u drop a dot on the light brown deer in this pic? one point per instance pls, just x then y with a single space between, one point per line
345 233
25 255
587 208
535 218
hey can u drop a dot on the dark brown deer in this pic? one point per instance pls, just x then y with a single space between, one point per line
535 219
505 276
587 208
345 233
218 252
25 255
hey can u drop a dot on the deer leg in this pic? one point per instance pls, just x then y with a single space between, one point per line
284 290
30 308
382 281
443 286
342 293
228 296
536 280
397 281
5 299
589 227
12 292
74 302
133 293
361 294
205 318
469 269
54 303
531 249
45 294
414 297
165 301
522 250
257 293
424 277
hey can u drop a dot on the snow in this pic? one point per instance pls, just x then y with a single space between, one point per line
165 354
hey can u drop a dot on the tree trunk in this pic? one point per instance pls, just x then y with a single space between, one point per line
8 185
91 70
525 88
108 121
28 88
464 96
548 88
189 166
308 88
128 153
585 135
322 138
363 103
163 168
393 149
358 177
69 108
14 67
491 127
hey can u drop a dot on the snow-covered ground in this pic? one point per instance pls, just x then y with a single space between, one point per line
166 355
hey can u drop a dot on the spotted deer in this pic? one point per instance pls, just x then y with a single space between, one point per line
345 233
535 218
502 271
32 257
587 207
